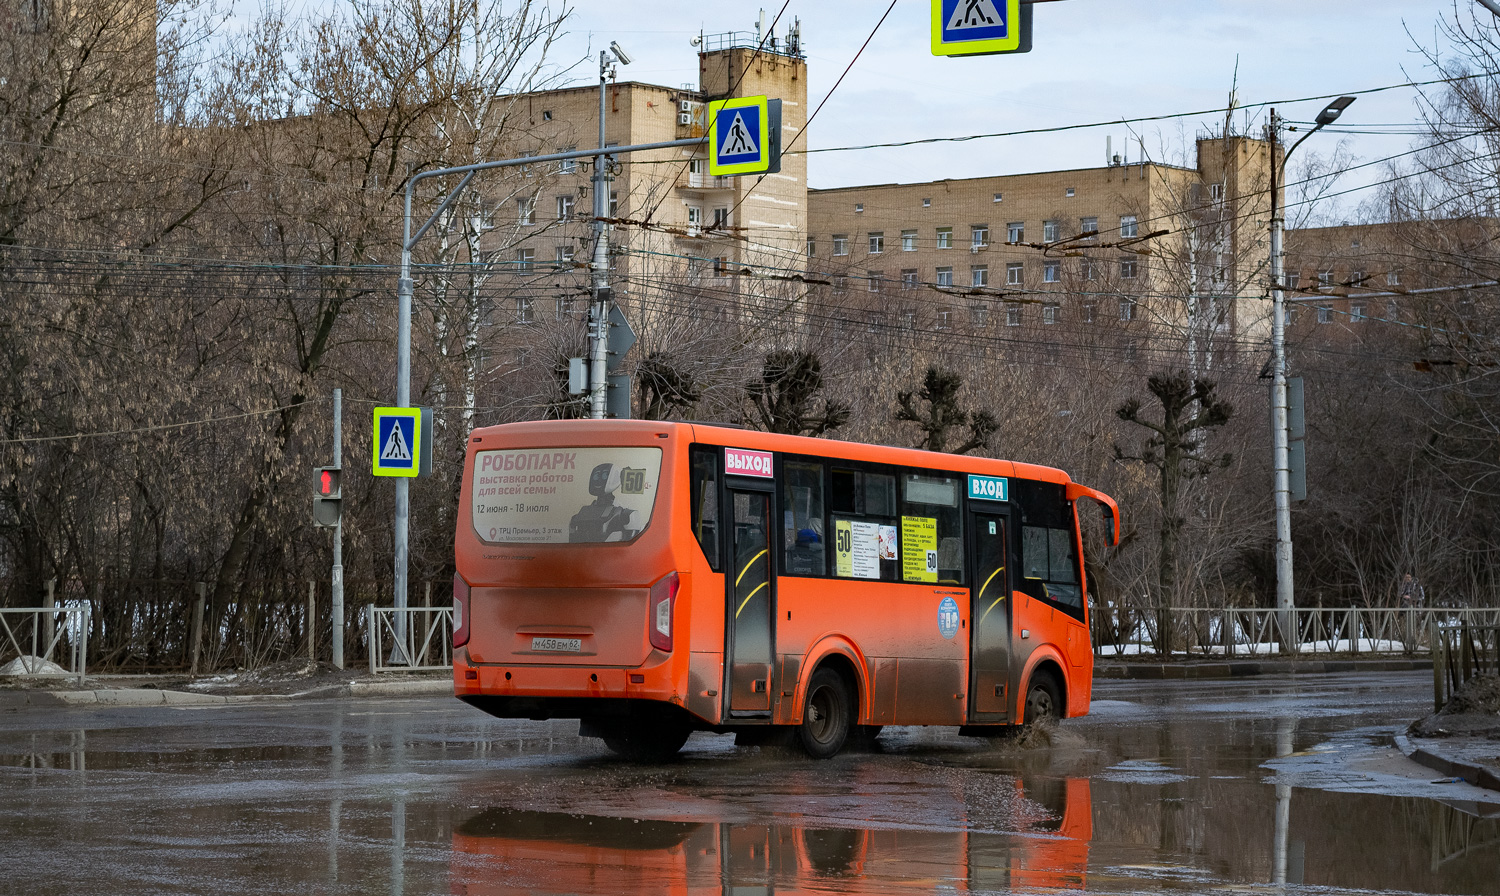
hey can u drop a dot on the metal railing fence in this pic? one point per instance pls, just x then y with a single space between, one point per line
426 647
38 636
1461 650
1253 632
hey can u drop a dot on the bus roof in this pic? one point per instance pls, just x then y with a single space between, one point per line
610 432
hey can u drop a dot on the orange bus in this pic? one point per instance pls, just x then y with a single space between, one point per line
652 579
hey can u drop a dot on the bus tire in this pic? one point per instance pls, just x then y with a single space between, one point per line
827 715
1043 700
646 743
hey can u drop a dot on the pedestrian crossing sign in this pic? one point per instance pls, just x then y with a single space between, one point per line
973 27
744 136
403 442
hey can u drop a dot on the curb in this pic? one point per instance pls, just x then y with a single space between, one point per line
127 697
1474 773
1237 669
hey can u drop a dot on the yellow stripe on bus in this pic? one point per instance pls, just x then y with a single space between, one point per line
985 587
747 598
747 567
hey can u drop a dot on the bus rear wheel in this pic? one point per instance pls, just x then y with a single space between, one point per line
646 743
1043 701
827 716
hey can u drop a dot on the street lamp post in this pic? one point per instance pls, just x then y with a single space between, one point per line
1280 454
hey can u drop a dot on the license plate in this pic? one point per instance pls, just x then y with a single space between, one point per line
561 645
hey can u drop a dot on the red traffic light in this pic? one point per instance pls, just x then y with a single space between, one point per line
325 483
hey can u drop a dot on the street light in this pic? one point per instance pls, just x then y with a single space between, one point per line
599 268
1279 448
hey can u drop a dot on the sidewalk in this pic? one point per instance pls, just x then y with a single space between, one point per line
1235 668
1475 759
127 691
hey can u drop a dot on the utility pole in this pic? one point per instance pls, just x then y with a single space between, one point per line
336 604
599 307
1280 450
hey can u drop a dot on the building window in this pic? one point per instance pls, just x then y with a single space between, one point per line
1292 279
525 310
840 283
812 247
1356 278
1357 313
841 244
564 207
1128 227
944 276
1015 232
1013 272
1325 314
908 316
1051 271
1013 315
564 258
567 166
525 260
1086 312
979 275
1288 315
979 314
877 243
909 278
1325 279
908 241
564 307
927 203
1049 314
614 204
1127 268
1089 227
1069 192
1051 232
1392 278
859 207
694 219
979 236
695 166
945 237
1127 308
526 211
721 218
1088 270
875 277
1216 192
999 197
944 319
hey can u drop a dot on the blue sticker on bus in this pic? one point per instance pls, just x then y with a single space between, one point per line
948 618
989 488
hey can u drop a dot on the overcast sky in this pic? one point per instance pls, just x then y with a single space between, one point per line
1093 61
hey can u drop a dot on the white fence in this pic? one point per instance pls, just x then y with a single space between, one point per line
417 639
41 638
1196 631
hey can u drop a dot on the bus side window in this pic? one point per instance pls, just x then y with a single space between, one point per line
1049 567
704 467
803 536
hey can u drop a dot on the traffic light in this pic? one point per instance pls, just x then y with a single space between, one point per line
327 503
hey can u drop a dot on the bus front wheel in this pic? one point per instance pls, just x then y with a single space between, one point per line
1043 700
828 715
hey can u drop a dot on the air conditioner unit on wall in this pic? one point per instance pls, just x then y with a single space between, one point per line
684 118
686 106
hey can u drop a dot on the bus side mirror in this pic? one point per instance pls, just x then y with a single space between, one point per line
1110 528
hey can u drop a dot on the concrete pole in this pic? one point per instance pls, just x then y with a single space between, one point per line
404 288
599 307
1280 454
49 621
336 602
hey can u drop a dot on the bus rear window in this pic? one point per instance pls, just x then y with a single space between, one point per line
563 495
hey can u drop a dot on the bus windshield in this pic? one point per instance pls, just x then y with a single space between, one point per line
564 495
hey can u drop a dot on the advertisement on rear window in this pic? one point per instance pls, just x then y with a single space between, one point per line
564 495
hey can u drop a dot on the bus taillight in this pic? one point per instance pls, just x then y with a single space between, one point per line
460 611
663 602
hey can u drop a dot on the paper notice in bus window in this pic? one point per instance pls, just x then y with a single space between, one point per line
563 495
856 549
919 562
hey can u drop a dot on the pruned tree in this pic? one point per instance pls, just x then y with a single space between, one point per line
1177 450
787 396
940 413
668 388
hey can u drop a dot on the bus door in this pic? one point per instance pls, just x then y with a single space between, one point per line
990 610
751 588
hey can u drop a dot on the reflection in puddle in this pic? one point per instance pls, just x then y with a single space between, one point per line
506 850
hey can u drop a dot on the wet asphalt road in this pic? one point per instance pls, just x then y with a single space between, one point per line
1273 784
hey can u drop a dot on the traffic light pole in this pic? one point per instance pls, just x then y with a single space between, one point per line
336 605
